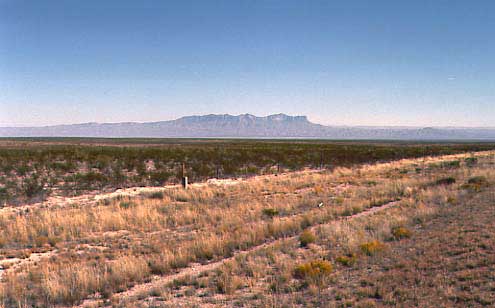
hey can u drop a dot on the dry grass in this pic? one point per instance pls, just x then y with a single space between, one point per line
107 248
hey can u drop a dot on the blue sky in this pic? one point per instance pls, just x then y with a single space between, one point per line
338 62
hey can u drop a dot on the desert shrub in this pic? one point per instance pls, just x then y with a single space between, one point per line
41 240
451 164
270 212
159 177
471 161
4 195
478 180
156 195
307 237
445 181
314 272
318 189
32 187
401 232
476 183
228 283
372 248
347 260
127 204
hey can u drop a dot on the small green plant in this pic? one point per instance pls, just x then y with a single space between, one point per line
372 248
270 212
401 233
307 237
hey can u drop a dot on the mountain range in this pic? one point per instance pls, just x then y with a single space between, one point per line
246 126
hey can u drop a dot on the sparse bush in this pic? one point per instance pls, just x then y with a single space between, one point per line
476 183
347 260
314 273
228 283
127 204
307 237
471 161
478 180
445 181
156 195
372 248
318 189
451 164
270 212
401 232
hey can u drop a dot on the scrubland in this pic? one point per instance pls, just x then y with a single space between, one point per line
32 169
412 232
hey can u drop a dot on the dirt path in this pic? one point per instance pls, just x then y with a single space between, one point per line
12 264
95 197
196 269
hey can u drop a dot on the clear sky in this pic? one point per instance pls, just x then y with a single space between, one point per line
338 62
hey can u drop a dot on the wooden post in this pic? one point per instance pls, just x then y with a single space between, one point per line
184 177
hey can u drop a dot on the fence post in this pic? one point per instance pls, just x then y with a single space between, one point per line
184 177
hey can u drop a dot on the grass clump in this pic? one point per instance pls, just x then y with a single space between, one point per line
476 183
315 272
471 161
451 164
401 232
127 204
156 195
307 237
445 181
478 180
270 212
347 260
372 248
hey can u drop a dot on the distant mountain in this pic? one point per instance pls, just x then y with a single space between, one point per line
245 125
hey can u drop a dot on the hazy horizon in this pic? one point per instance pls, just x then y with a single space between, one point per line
353 63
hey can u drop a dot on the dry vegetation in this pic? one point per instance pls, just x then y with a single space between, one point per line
357 236
33 169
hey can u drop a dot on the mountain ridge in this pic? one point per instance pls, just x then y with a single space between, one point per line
244 125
